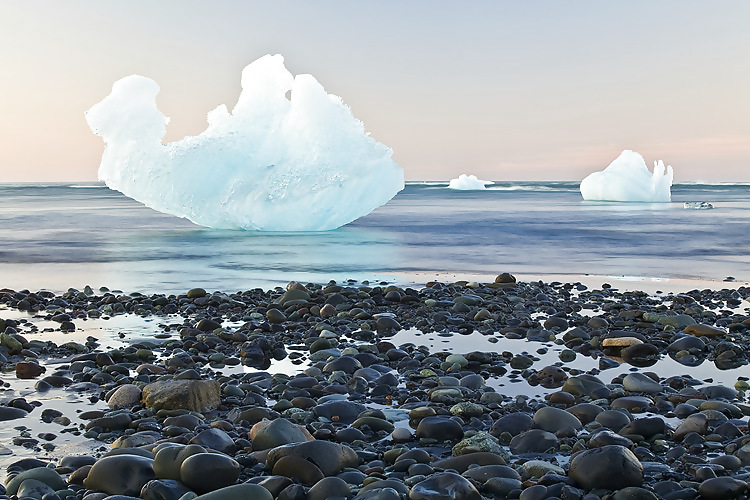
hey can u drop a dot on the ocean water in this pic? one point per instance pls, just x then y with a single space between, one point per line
70 235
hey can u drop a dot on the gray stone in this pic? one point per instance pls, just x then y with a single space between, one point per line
216 439
512 423
440 428
719 488
444 486
43 474
637 382
204 472
329 457
462 463
238 492
120 474
697 422
553 419
610 467
33 488
329 487
125 396
265 435
502 486
163 489
10 413
483 473
345 412
168 460
533 441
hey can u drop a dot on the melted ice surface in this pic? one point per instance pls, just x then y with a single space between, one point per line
628 179
468 182
274 163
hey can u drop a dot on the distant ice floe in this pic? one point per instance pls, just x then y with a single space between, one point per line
697 205
274 163
628 179
468 182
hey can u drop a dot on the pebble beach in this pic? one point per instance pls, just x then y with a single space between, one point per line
371 391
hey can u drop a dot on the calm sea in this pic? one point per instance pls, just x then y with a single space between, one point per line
69 235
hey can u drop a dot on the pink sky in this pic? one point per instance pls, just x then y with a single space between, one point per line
504 90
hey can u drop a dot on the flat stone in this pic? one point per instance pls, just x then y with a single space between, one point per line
701 330
637 382
10 413
462 463
620 341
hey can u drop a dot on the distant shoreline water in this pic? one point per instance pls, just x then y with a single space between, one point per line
56 235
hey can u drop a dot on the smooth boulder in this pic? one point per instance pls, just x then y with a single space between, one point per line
610 467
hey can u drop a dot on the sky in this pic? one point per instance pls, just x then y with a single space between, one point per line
505 90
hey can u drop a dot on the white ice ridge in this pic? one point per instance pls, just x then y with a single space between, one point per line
628 179
468 182
275 163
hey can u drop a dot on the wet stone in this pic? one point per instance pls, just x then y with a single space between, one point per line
609 467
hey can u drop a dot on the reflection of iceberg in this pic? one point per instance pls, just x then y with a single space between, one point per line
274 163
468 182
628 179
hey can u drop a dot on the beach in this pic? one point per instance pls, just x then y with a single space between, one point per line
498 388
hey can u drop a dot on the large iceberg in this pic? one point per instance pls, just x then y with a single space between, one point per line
628 179
468 182
279 161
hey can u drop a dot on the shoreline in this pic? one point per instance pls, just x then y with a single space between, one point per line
20 280
522 380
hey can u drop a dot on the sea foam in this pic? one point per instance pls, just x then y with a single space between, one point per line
276 162
628 179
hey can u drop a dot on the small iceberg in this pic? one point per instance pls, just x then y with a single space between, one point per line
468 183
628 179
697 205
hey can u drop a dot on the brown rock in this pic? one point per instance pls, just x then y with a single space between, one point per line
192 395
25 369
702 330
620 341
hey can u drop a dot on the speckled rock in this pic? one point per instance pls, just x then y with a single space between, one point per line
192 395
